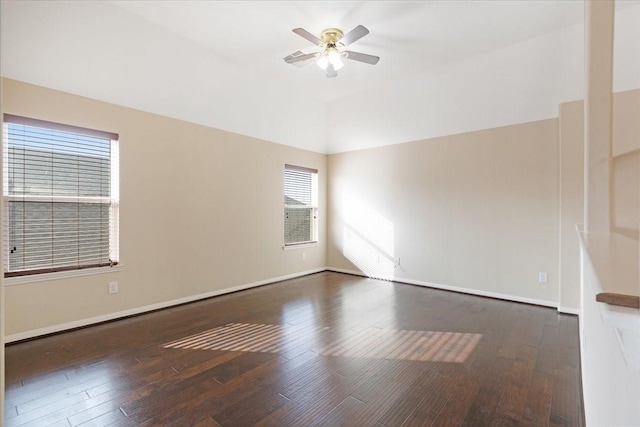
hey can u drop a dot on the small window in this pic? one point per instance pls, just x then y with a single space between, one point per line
61 197
300 205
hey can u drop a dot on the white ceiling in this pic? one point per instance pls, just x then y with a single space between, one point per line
219 63
411 37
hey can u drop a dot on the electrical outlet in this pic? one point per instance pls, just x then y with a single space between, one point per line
542 277
304 256
113 287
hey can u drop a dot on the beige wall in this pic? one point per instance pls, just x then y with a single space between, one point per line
475 211
483 211
626 164
625 183
571 201
201 211
626 125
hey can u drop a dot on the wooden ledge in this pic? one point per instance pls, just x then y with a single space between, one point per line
631 301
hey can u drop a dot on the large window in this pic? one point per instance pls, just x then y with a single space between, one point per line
61 197
300 205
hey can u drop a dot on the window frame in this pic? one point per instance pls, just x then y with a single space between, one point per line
112 200
313 207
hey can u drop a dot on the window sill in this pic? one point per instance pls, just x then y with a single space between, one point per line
20 280
300 246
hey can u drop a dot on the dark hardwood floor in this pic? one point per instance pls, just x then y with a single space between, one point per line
323 350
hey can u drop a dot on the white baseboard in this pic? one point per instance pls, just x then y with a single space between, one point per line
569 310
469 291
345 271
139 310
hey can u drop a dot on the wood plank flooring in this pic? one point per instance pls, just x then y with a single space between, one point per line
323 350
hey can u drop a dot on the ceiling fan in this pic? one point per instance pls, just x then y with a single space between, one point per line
332 41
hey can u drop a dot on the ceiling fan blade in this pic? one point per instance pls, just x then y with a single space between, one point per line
356 34
331 71
361 57
299 57
307 35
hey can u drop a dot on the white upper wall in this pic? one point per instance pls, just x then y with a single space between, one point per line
126 67
102 51
520 83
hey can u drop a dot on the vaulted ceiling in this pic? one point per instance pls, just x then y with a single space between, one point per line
219 63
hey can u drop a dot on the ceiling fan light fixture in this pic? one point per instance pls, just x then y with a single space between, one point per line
335 58
330 56
323 62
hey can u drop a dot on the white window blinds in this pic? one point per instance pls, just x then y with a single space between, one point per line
300 205
61 197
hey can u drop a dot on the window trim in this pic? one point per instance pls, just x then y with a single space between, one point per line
294 246
314 206
300 168
53 273
60 275
27 121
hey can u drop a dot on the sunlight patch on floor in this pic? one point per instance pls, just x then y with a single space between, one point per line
454 347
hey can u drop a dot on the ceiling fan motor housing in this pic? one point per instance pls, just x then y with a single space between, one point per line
331 36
